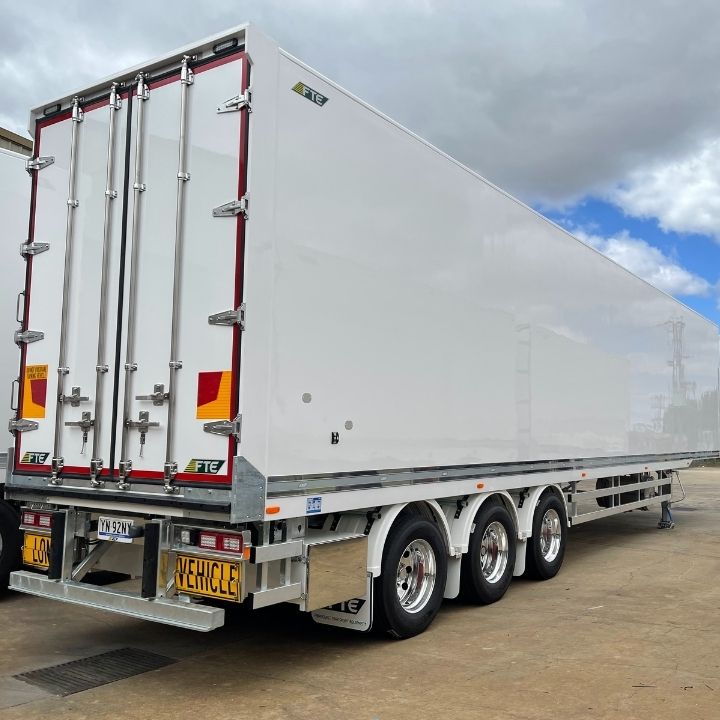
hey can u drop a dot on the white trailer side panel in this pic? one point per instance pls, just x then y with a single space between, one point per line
14 201
430 319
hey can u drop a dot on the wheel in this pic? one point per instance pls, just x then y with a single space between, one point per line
9 543
410 589
487 566
546 548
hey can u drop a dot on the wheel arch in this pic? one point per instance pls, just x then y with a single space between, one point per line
527 511
382 527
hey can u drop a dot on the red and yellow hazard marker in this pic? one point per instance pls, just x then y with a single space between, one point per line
213 396
35 391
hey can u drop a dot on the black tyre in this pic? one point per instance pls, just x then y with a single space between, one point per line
410 589
9 543
487 566
546 548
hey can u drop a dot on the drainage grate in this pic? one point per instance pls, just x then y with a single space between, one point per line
78 675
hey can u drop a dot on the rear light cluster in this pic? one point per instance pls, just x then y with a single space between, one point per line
217 541
37 519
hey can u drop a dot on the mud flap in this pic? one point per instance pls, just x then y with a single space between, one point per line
355 614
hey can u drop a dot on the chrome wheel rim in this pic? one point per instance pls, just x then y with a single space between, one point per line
494 552
550 535
416 574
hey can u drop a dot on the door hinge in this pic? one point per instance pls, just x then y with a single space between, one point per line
38 163
28 336
227 428
22 425
232 208
33 248
229 317
236 103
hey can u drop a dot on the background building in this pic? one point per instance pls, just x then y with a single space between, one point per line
17 143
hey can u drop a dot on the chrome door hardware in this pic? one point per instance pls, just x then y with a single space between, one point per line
124 470
130 365
22 425
142 425
101 363
33 248
232 208
28 336
96 466
39 163
68 264
74 399
236 103
85 424
229 317
158 397
56 466
224 427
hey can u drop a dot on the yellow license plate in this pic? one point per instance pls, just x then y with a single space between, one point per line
36 551
209 578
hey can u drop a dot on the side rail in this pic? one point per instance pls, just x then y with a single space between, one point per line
594 498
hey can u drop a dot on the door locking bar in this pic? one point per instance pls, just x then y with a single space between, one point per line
187 78
125 465
77 119
101 365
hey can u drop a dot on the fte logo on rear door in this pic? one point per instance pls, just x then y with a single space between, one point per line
200 466
34 458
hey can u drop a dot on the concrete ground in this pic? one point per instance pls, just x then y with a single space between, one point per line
630 628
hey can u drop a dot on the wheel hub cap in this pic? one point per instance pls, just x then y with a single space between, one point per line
494 552
550 535
416 576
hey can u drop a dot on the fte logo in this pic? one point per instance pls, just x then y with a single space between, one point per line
307 92
351 607
34 458
204 467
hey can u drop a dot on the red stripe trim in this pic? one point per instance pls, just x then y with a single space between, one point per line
239 262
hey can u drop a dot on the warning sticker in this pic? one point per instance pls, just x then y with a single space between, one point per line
34 391
213 395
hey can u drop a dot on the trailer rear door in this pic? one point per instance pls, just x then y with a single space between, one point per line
132 317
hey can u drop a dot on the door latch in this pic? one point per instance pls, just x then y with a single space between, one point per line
158 397
142 425
85 424
74 398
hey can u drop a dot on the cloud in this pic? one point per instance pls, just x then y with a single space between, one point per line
649 263
552 100
684 195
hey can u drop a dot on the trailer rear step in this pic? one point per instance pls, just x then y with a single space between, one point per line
191 616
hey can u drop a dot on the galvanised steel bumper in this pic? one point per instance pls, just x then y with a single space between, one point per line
170 611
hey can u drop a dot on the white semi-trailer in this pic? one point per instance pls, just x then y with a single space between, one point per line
14 198
277 348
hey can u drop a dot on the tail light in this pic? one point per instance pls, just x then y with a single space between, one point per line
37 519
216 541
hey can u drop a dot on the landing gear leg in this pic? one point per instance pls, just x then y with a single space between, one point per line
666 519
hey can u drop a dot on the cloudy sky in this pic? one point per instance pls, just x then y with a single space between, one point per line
603 114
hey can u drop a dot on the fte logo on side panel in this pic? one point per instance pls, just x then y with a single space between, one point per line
307 92
204 467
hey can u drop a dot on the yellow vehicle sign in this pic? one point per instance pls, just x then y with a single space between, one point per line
36 550
209 578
